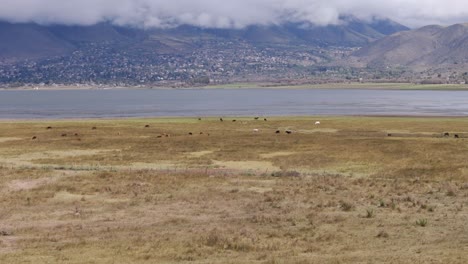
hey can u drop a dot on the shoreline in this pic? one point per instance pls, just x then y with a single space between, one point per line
326 86
215 118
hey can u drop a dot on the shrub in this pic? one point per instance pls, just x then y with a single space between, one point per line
370 213
421 222
451 193
382 203
382 234
346 206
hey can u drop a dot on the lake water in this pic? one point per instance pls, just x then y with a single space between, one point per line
228 102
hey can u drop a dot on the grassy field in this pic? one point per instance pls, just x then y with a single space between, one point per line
168 190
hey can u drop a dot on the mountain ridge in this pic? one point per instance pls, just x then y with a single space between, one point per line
33 41
424 47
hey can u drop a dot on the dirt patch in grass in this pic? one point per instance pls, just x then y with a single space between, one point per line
64 196
159 165
246 165
6 139
23 185
276 154
198 154
318 130
48 157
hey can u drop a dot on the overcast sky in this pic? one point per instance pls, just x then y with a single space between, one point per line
230 13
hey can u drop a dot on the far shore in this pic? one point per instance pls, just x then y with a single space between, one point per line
351 85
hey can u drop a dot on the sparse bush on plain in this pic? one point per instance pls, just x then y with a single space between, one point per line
421 222
346 206
451 193
383 234
382 203
370 213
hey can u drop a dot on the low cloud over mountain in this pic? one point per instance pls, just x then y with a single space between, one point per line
229 14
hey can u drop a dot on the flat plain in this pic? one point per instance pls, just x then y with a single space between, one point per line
184 190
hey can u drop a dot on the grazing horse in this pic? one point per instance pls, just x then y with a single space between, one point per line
277 132
49 127
456 136
147 125
234 120
264 119
199 119
288 132
34 138
389 135
94 128
256 118
190 133
446 134
221 119
64 135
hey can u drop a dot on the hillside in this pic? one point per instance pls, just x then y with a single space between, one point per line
30 41
429 46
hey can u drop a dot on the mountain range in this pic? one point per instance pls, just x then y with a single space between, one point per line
104 53
32 41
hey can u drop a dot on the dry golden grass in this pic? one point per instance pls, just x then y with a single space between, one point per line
341 192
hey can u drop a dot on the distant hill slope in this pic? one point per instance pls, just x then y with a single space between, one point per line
32 41
424 47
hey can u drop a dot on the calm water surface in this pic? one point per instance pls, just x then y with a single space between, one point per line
229 102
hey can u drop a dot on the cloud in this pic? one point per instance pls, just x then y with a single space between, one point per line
227 14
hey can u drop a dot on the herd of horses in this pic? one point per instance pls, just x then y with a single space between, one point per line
168 135
445 134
